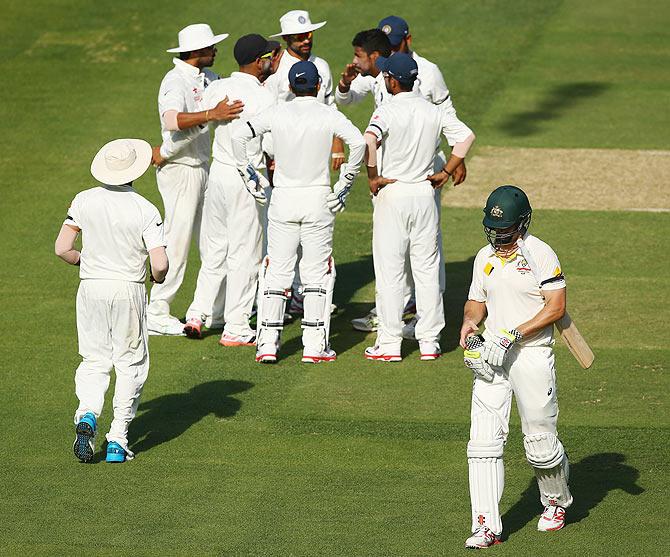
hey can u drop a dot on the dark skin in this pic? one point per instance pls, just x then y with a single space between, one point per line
223 112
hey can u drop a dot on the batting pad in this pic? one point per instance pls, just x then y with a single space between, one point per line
543 450
487 479
553 484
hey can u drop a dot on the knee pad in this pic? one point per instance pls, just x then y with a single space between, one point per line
543 450
487 439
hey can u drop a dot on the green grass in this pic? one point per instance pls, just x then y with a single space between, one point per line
353 458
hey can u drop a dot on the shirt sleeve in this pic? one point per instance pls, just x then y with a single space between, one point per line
549 267
256 127
453 129
74 216
152 233
378 125
357 91
351 135
477 291
170 97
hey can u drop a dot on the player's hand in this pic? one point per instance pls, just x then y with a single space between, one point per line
378 183
226 112
472 358
255 184
349 74
336 200
438 180
459 174
156 159
338 160
467 329
496 348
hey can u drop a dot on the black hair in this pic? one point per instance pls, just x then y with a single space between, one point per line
373 40
305 92
184 55
406 85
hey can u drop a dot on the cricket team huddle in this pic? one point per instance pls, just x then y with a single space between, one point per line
263 211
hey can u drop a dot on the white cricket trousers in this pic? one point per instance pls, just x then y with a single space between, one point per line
182 188
299 216
112 331
405 222
528 373
231 244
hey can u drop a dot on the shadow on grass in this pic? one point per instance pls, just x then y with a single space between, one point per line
169 416
556 102
591 479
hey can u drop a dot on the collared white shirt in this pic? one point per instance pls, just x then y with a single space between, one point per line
118 228
182 90
511 291
256 98
409 129
302 131
278 82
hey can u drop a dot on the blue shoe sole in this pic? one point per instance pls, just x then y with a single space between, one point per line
82 443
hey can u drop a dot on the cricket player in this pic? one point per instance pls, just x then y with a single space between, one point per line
182 160
518 290
297 30
119 229
301 210
232 232
408 129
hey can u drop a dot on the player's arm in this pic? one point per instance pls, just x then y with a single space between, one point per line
461 137
474 313
351 90
158 260
64 246
553 310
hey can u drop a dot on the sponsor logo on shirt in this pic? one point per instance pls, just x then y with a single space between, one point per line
522 266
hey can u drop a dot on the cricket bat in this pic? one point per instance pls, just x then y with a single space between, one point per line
576 343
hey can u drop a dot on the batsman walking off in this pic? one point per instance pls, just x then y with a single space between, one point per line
301 210
518 288
119 229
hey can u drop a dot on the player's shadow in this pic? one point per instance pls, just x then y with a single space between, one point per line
557 101
167 417
591 479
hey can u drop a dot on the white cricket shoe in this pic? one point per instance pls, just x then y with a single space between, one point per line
316 356
481 538
377 353
552 519
408 329
429 350
368 323
237 340
165 326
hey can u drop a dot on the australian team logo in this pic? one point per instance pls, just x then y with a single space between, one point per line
522 266
496 212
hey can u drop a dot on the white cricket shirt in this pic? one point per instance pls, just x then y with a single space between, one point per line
256 98
278 83
182 90
118 228
302 131
409 128
510 290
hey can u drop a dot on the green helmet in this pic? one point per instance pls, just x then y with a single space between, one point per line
506 207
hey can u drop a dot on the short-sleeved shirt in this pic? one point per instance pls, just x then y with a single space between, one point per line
409 129
118 228
278 83
256 98
182 89
511 291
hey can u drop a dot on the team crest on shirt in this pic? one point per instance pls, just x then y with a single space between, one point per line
522 266
196 95
496 212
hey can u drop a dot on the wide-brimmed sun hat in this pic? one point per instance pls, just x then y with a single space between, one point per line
195 37
121 161
296 22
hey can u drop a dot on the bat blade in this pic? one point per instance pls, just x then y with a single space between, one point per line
575 341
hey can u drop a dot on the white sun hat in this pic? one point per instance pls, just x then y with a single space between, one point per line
296 22
195 37
121 161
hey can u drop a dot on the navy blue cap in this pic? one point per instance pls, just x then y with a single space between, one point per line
395 27
303 76
400 66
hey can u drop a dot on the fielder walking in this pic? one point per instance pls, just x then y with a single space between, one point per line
119 229
301 210
232 232
183 159
518 288
408 129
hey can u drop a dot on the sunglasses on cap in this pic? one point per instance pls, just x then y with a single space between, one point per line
267 55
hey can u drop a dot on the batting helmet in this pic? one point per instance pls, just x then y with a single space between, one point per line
507 212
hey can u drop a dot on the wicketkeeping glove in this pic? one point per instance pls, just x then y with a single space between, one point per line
495 349
472 358
255 183
336 200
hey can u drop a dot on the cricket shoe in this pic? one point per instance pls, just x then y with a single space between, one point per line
367 324
115 452
85 435
316 356
481 538
266 353
193 328
429 350
165 326
237 340
409 329
552 519
376 353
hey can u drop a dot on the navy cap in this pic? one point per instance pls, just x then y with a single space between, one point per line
250 47
303 76
395 27
400 66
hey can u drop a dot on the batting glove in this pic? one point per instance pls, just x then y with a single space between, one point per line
255 183
495 349
336 200
472 357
